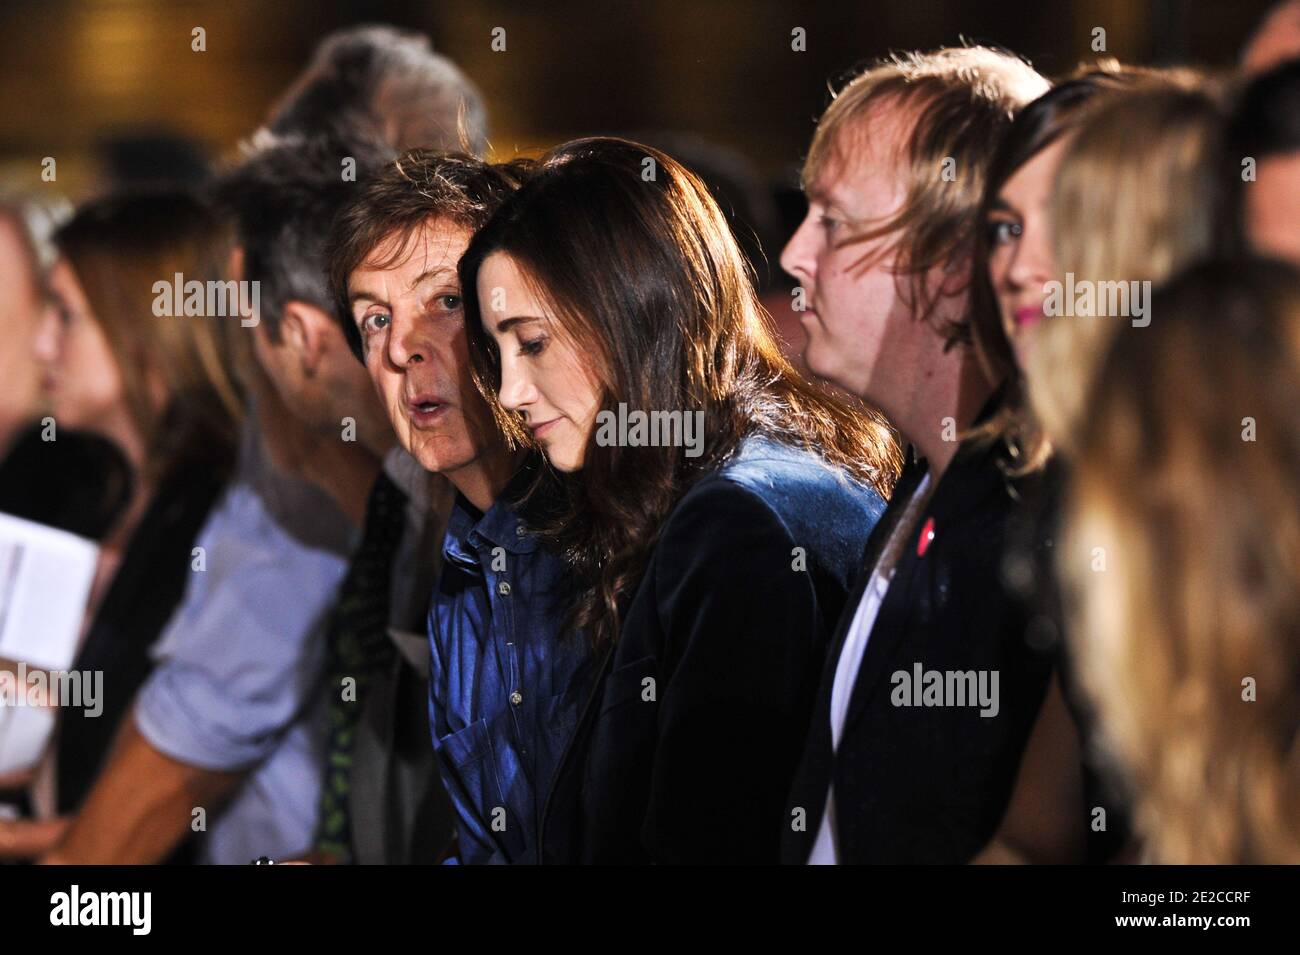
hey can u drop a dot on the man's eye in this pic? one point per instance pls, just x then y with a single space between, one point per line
450 303
375 321
828 223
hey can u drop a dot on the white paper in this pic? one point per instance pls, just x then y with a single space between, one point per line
45 580
24 731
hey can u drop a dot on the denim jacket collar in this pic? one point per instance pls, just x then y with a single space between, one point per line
469 531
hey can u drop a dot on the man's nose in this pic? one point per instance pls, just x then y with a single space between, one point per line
798 257
406 344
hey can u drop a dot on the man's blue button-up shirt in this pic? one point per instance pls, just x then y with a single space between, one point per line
505 684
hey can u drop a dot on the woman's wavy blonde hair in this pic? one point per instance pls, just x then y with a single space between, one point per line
1137 197
1051 118
1182 565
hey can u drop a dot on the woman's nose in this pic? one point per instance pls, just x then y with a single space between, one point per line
45 343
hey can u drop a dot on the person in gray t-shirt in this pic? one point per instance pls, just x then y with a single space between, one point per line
236 685
227 716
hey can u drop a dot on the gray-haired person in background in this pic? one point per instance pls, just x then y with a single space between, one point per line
385 84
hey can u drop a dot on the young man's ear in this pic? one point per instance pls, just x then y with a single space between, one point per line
956 275
307 329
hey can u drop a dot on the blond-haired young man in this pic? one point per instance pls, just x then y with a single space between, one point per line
930 690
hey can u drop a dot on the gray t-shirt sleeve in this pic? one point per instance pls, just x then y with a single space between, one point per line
243 655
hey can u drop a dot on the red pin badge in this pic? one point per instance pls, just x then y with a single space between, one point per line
927 535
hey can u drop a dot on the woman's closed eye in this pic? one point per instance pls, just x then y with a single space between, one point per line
532 346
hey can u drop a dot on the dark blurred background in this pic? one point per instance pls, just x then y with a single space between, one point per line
112 89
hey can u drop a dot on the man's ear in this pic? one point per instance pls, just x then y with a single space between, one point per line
956 276
307 329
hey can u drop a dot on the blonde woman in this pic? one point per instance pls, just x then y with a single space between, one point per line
159 387
1183 551
1128 210
1053 816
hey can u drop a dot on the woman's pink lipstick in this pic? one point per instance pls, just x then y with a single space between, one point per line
1029 315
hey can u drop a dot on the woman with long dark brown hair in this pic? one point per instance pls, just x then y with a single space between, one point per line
714 504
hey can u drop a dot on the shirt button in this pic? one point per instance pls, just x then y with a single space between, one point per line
516 698
519 530
503 588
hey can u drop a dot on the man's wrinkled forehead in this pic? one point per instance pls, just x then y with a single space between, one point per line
436 244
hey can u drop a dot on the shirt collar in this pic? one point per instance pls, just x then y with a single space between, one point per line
469 530
974 472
